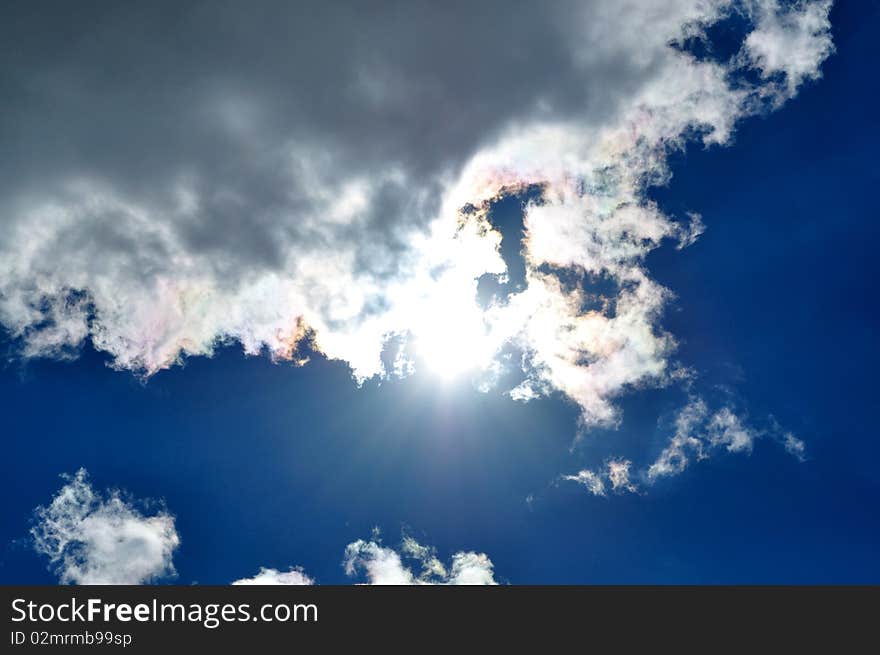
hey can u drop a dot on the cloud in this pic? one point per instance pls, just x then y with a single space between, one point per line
789 40
314 172
102 538
294 576
590 480
726 429
795 446
384 566
698 432
616 472
674 457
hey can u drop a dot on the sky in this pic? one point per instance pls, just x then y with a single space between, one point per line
453 294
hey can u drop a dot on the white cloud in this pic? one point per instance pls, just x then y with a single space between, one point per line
593 482
697 432
471 568
384 566
674 457
293 576
619 475
95 538
726 429
271 205
795 446
616 472
789 40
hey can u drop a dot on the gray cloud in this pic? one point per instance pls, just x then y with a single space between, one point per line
142 97
179 175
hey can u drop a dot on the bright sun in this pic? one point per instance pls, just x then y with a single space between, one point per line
452 337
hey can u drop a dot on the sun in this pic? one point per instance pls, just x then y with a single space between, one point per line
451 337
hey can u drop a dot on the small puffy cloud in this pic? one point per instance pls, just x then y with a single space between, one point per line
619 476
384 566
102 538
381 565
294 576
789 40
471 568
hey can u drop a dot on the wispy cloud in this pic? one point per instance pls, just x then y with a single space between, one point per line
591 480
796 447
698 432
615 472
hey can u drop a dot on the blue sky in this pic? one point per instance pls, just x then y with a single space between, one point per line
266 464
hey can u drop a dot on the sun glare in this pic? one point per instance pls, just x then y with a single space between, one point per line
452 338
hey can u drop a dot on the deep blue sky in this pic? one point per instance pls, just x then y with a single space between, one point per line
271 465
